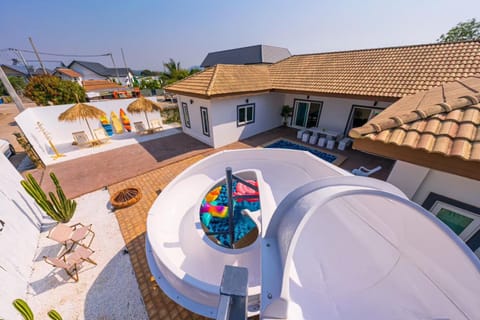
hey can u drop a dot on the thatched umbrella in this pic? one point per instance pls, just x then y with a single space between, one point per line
82 111
143 105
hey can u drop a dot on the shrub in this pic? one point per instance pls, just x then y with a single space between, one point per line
46 89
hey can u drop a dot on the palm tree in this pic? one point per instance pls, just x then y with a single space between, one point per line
174 72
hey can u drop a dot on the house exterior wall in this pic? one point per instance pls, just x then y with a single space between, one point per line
335 111
20 230
224 117
195 129
407 177
222 113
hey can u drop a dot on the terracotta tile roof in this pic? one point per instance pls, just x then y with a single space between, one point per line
443 120
95 85
69 72
386 72
225 79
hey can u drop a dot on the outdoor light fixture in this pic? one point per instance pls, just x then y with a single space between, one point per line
308 97
191 101
246 100
375 103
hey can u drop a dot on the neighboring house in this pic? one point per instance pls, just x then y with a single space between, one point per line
435 136
335 91
106 89
97 71
68 74
17 71
258 54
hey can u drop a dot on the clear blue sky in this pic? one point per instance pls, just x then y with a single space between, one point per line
152 31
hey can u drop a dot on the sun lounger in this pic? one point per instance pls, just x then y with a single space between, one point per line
344 143
362 171
81 139
140 127
71 235
72 261
101 135
156 125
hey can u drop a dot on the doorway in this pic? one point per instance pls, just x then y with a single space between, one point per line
306 113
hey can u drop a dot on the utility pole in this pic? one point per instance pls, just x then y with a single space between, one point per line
19 53
38 56
116 70
11 91
130 81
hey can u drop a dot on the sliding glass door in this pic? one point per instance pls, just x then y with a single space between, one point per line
360 115
306 113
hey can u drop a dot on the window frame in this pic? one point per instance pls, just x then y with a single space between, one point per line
352 110
186 115
205 121
295 110
473 240
245 106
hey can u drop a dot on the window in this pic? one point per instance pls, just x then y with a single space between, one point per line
462 218
205 124
360 115
306 113
245 114
186 116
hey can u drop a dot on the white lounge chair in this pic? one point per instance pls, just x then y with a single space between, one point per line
321 141
140 127
344 143
306 136
330 144
156 125
101 135
300 133
313 138
362 171
81 139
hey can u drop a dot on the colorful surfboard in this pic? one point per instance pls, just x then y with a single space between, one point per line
117 125
106 125
125 120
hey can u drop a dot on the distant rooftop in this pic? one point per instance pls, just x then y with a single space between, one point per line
69 72
100 69
247 55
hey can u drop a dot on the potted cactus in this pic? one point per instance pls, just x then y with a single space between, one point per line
57 207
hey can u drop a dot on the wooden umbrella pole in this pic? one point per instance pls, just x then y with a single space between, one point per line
91 132
148 122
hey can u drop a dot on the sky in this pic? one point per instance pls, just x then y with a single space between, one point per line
151 32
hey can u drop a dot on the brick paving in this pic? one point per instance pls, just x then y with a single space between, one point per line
132 220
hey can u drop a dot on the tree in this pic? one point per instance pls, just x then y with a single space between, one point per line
463 31
174 72
17 83
46 89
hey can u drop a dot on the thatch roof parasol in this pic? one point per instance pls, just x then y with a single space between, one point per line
143 105
81 111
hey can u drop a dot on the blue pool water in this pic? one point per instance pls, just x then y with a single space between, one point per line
285 144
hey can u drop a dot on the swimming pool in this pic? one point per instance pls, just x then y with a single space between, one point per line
285 144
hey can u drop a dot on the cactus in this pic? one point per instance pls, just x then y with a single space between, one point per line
54 315
58 207
23 308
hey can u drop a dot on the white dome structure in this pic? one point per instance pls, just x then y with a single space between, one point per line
330 246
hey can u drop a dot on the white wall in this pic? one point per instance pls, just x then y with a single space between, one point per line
18 239
222 113
61 131
224 117
407 177
449 185
335 111
195 129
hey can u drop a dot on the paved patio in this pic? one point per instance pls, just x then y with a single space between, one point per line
150 166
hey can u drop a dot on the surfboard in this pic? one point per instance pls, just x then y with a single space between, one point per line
125 120
106 125
117 125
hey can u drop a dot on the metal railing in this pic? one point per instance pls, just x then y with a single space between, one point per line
233 294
